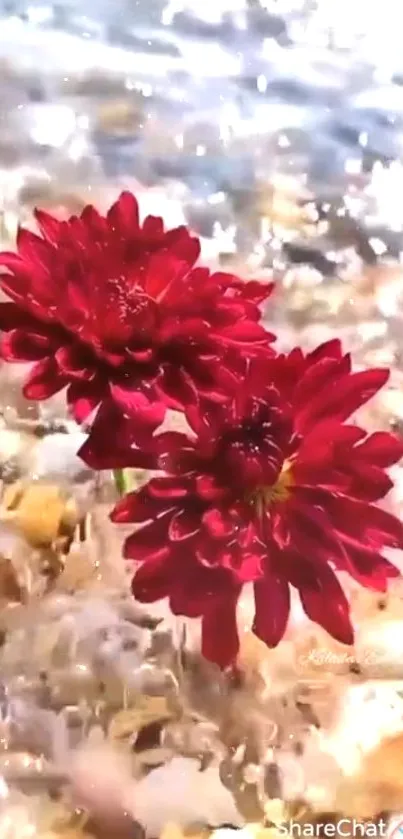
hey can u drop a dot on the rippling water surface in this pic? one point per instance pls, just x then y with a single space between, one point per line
221 97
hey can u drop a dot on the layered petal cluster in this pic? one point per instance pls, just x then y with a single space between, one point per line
273 488
115 311
274 485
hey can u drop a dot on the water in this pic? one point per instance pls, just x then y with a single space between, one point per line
229 93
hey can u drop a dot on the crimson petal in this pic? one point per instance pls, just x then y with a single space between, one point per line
244 565
343 397
44 380
183 526
368 567
152 581
83 398
18 345
255 290
98 454
123 216
208 488
379 527
218 525
72 363
32 247
135 404
220 641
242 332
141 356
48 225
128 447
94 222
170 444
145 543
312 532
153 226
316 379
382 449
272 608
176 388
185 247
167 488
164 272
369 482
330 349
12 317
135 507
324 601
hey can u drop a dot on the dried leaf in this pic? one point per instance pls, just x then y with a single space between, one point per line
275 811
39 512
172 831
379 786
149 709
252 655
246 796
10 588
385 764
78 571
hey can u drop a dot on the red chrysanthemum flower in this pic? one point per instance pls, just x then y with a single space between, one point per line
116 312
274 489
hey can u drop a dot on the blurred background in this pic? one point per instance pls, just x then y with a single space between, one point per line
274 125
274 128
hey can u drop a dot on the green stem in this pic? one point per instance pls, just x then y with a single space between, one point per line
122 481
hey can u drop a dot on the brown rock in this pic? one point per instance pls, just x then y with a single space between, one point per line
379 786
38 512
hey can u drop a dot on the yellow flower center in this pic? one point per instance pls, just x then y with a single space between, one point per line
264 496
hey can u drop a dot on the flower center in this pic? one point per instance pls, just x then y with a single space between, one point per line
264 496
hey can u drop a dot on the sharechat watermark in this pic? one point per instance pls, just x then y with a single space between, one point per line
342 828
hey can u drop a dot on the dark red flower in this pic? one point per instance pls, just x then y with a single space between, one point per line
116 312
274 489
